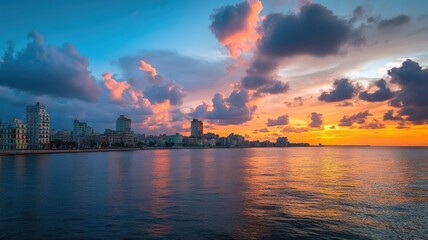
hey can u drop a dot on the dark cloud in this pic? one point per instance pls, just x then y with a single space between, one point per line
412 98
417 115
281 120
374 124
359 118
227 20
272 87
345 104
260 78
161 92
264 130
316 120
178 116
402 125
262 66
315 30
394 22
200 111
343 89
255 81
235 109
382 94
48 70
357 14
390 116
292 129
297 101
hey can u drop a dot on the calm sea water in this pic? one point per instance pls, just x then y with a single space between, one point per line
317 193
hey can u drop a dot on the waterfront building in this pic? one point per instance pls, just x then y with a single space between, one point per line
110 138
123 124
61 136
175 140
255 143
196 128
282 142
235 140
209 142
267 144
13 135
222 141
38 125
117 139
139 139
211 136
82 134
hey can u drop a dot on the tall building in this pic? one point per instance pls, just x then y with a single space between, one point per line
196 128
282 142
123 124
235 140
13 135
38 123
82 133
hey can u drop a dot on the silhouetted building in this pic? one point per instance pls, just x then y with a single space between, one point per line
61 135
235 140
123 124
175 140
38 125
82 134
196 128
282 142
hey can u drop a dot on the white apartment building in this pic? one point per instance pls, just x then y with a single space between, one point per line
38 125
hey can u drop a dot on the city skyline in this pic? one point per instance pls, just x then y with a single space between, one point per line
356 76
34 134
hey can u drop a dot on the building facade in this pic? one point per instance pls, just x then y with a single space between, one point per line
13 135
235 140
196 128
38 125
82 134
123 124
111 138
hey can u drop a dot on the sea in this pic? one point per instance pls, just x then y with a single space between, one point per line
248 193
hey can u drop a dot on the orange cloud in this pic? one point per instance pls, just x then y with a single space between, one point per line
245 39
116 88
161 115
149 69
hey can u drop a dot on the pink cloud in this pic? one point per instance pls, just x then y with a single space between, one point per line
149 69
116 88
243 38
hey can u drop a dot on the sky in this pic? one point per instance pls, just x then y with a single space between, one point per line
329 72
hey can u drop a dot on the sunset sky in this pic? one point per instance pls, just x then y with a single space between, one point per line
330 72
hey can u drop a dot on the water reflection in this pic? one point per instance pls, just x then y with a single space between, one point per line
217 193
160 193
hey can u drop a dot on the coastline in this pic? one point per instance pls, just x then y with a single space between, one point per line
59 151
51 151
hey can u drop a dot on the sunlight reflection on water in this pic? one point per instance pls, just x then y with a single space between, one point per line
217 193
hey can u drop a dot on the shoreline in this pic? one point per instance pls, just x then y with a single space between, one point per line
59 151
50 151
